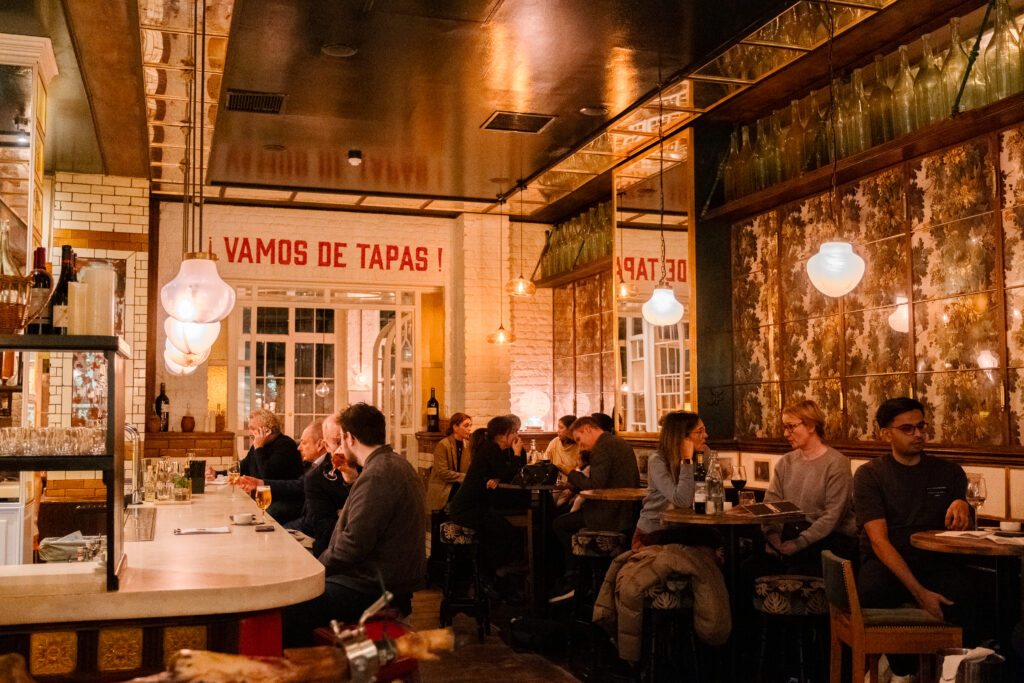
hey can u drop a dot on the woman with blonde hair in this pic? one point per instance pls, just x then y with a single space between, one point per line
818 478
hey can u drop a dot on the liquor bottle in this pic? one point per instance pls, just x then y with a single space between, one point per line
860 118
534 455
1002 56
839 146
162 406
928 93
903 116
953 67
880 104
42 283
762 150
433 419
793 145
700 488
745 165
59 302
775 138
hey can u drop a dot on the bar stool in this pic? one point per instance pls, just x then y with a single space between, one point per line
456 538
791 603
668 620
597 549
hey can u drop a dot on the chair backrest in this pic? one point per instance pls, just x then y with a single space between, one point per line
840 586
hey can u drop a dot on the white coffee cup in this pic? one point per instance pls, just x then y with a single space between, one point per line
243 518
1009 526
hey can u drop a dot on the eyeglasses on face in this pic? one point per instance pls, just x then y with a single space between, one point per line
909 429
790 426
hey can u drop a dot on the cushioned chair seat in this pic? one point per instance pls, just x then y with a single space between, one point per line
596 543
672 594
790 594
902 616
456 534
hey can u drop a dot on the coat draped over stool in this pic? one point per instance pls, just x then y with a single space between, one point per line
633 576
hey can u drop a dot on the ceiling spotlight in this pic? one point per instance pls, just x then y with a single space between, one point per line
355 157
594 111
338 50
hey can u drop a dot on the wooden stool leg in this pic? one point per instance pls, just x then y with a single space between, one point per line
835 663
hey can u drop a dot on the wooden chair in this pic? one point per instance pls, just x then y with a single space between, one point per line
871 632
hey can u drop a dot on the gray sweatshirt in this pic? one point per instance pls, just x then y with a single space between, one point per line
663 491
822 488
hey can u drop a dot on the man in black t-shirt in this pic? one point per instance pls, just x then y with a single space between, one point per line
896 496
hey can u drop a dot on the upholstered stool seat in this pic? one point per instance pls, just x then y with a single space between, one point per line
597 543
457 538
790 594
793 606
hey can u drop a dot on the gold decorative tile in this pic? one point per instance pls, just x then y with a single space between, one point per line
803 226
873 208
119 649
757 409
957 334
588 374
886 275
963 407
755 244
755 298
955 258
755 355
1013 245
1015 382
951 185
1015 327
800 298
826 393
1011 166
811 348
878 341
53 653
864 395
183 637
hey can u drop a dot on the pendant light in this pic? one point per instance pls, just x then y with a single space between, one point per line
191 337
197 294
520 287
322 389
500 336
362 382
185 360
836 269
662 308
624 291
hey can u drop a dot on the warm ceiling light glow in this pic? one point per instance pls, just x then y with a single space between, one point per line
987 360
662 308
899 319
520 287
191 337
197 294
625 290
185 360
835 270
500 336
177 370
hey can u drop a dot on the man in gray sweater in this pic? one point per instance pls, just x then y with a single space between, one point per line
379 537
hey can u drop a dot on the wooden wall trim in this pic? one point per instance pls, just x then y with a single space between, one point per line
1004 456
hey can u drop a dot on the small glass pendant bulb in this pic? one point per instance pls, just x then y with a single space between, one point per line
662 308
322 389
501 336
185 360
175 369
953 68
191 337
626 290
928 94
520 287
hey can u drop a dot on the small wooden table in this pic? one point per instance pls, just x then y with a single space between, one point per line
622 494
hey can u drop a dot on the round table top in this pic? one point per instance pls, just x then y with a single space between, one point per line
687 516
528 487
962 545
613 494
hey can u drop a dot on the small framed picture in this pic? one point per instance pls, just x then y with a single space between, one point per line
761 470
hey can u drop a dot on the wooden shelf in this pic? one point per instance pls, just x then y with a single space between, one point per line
33 463
952 131
64 342
594 267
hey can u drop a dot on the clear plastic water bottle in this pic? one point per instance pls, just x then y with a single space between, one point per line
715 486
534 455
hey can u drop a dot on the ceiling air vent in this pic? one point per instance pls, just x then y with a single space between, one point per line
517 122
255 102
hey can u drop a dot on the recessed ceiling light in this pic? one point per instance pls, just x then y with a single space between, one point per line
594 111
273 148
338 50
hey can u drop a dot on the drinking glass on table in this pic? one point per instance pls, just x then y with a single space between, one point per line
747 498
738 477
263 501
976 494
233 474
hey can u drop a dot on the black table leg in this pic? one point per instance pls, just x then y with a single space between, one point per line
542 503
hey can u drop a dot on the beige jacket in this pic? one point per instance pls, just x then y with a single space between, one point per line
444 473
620 604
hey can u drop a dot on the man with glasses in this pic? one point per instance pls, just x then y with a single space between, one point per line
895 496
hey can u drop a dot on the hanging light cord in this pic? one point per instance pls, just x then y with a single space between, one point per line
832 114
202 129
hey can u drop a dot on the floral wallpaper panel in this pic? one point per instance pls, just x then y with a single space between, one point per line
873 208
827 394
811 348
952 184
878 341
757 409
1013 246
800 299
755 354
957 334
885 274
955 258
803 226
863 396
588 334
1015 382
1015 327
1011 159
755 299
963 407
755 244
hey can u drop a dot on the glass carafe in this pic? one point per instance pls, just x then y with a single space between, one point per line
903 118
775 149
953 68
976 89
1002 56
838 146
793 143
816 142
760 159
880 104
732 161
928 94
859 123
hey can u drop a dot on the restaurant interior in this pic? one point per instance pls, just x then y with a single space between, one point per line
494 207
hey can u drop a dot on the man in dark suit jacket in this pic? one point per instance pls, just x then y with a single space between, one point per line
612 465
273 460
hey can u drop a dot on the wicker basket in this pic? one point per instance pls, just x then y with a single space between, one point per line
14 291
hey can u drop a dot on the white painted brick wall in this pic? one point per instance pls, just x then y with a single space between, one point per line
530 368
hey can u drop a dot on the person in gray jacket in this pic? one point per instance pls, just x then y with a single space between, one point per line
378 538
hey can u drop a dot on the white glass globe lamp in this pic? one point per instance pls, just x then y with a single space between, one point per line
191 337
197 294
835 270
177 370
185 360
662 308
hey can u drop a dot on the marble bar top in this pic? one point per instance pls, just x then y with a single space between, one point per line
242 571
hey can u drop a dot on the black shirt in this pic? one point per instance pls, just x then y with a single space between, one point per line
279 464
909 498
473 498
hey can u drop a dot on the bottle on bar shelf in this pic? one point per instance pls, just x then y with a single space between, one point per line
433 418
700 488
162 406
42 283
59 302
534 455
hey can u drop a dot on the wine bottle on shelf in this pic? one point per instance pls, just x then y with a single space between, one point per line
162 406
42 283
59 302
880 104
953 67
903 114
860 117
1002 56
793 145
928 93
433 419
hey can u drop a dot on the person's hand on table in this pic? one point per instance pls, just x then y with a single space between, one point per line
958 516
347 470
932 602
493 483
260 437
248 483
789 548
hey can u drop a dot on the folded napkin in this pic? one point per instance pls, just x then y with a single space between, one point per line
1006 540
951 663
971 534
203 530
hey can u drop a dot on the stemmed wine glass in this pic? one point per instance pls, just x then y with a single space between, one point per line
738 476
976 494
233 475
263 501
331 474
